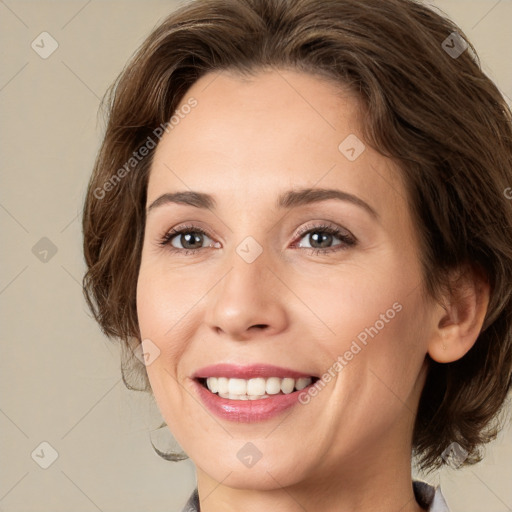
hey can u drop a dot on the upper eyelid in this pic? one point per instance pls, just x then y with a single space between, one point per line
326 225
320 225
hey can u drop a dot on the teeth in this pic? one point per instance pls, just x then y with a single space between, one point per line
254 389
256 386
222 385
302 383
237 386
287 385
213 384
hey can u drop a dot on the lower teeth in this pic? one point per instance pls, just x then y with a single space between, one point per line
243 397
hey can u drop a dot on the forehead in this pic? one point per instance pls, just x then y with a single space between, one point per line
252 138
270 109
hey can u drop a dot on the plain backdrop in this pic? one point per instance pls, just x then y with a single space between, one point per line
60 378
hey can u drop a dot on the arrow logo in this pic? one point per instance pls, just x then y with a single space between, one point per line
147 352
249 455
351 147
454 45
44 45
247 252
44 455
44 250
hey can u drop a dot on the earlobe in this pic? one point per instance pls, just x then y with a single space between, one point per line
458 323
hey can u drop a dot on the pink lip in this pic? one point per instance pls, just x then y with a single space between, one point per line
232 371
247 411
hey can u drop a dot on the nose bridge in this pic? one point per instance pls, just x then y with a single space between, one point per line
245 297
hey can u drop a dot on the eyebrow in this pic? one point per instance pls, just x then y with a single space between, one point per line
289 199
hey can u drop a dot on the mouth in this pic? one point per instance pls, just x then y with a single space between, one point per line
247 394
256 388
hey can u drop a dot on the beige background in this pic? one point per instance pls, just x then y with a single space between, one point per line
60 377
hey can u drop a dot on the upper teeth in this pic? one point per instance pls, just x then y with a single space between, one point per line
252 389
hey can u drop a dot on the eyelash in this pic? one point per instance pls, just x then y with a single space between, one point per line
346 239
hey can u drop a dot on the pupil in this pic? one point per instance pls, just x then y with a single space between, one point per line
326 238
194 237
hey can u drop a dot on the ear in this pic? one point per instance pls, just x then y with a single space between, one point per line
459 320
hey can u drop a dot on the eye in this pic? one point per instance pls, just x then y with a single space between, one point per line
187 239
322 237
190 239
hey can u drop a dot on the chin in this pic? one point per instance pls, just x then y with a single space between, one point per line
264 475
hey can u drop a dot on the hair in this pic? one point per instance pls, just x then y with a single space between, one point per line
436 115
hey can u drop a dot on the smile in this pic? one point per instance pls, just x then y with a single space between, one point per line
247 394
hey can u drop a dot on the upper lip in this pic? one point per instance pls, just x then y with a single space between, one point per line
234 371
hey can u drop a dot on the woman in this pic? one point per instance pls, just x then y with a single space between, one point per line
298 221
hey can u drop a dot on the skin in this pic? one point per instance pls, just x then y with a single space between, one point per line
349 448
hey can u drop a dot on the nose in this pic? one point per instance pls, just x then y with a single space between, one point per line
248 302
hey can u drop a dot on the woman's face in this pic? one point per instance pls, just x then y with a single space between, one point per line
269 285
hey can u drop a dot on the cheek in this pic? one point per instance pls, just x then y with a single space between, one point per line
152 304
164 300
169 310
354 304
377 366
157 315
382 362
159 309
376 318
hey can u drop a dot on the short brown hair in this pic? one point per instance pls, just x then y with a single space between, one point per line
435 113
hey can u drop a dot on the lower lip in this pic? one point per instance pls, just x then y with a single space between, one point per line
247 411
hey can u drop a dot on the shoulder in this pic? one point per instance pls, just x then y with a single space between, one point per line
430 497
192 504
